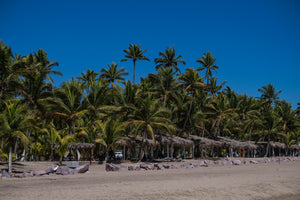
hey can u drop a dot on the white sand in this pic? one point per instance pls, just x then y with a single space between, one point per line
261 181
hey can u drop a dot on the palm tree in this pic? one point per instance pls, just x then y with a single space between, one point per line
290 123
271 126
96 99
169 59
113 74
127 94
10 69
213 87
219 110
202 102
208 63
248 111
63 145
165 86
40 62
53 137
67 103
13 124
111 131
134 53
37 83
191 81
269 94
149 117
298 109
89 78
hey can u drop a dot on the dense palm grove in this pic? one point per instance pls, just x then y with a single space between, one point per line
39 120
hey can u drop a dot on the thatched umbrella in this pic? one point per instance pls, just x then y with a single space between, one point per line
182 142
295 146
144 142
172 140
204 143
53 147
241 145
76 146
277 145
126 142
251 145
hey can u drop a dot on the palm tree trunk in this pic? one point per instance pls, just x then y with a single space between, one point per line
16 147
207 84
73 127
10 159
52 152
189 112
268 146
142 146
25 145
165 98
133 79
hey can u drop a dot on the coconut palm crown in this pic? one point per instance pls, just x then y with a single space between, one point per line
134 53
169 59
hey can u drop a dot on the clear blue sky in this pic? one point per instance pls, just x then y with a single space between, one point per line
257 41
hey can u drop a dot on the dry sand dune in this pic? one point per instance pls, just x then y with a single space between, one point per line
262 181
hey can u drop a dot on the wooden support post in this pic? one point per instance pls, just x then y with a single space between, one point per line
240 153
244 155
75 155
136 153
168 151
151 151
183 152
201 149
193 151
90 156
172 150
248 153
124 152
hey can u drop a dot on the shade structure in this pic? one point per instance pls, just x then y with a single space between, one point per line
74 146
205 141
165 139
236 143
147 142
277 145
295 146
133 141
127 142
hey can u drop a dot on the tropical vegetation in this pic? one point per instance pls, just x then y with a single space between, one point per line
102 107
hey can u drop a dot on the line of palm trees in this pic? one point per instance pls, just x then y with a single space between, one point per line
40 120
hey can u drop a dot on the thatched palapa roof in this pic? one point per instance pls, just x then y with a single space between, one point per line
73 146
236 143
165 139
278 145
206 142
131 141
272 144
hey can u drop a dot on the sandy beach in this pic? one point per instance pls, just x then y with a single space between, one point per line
261 181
